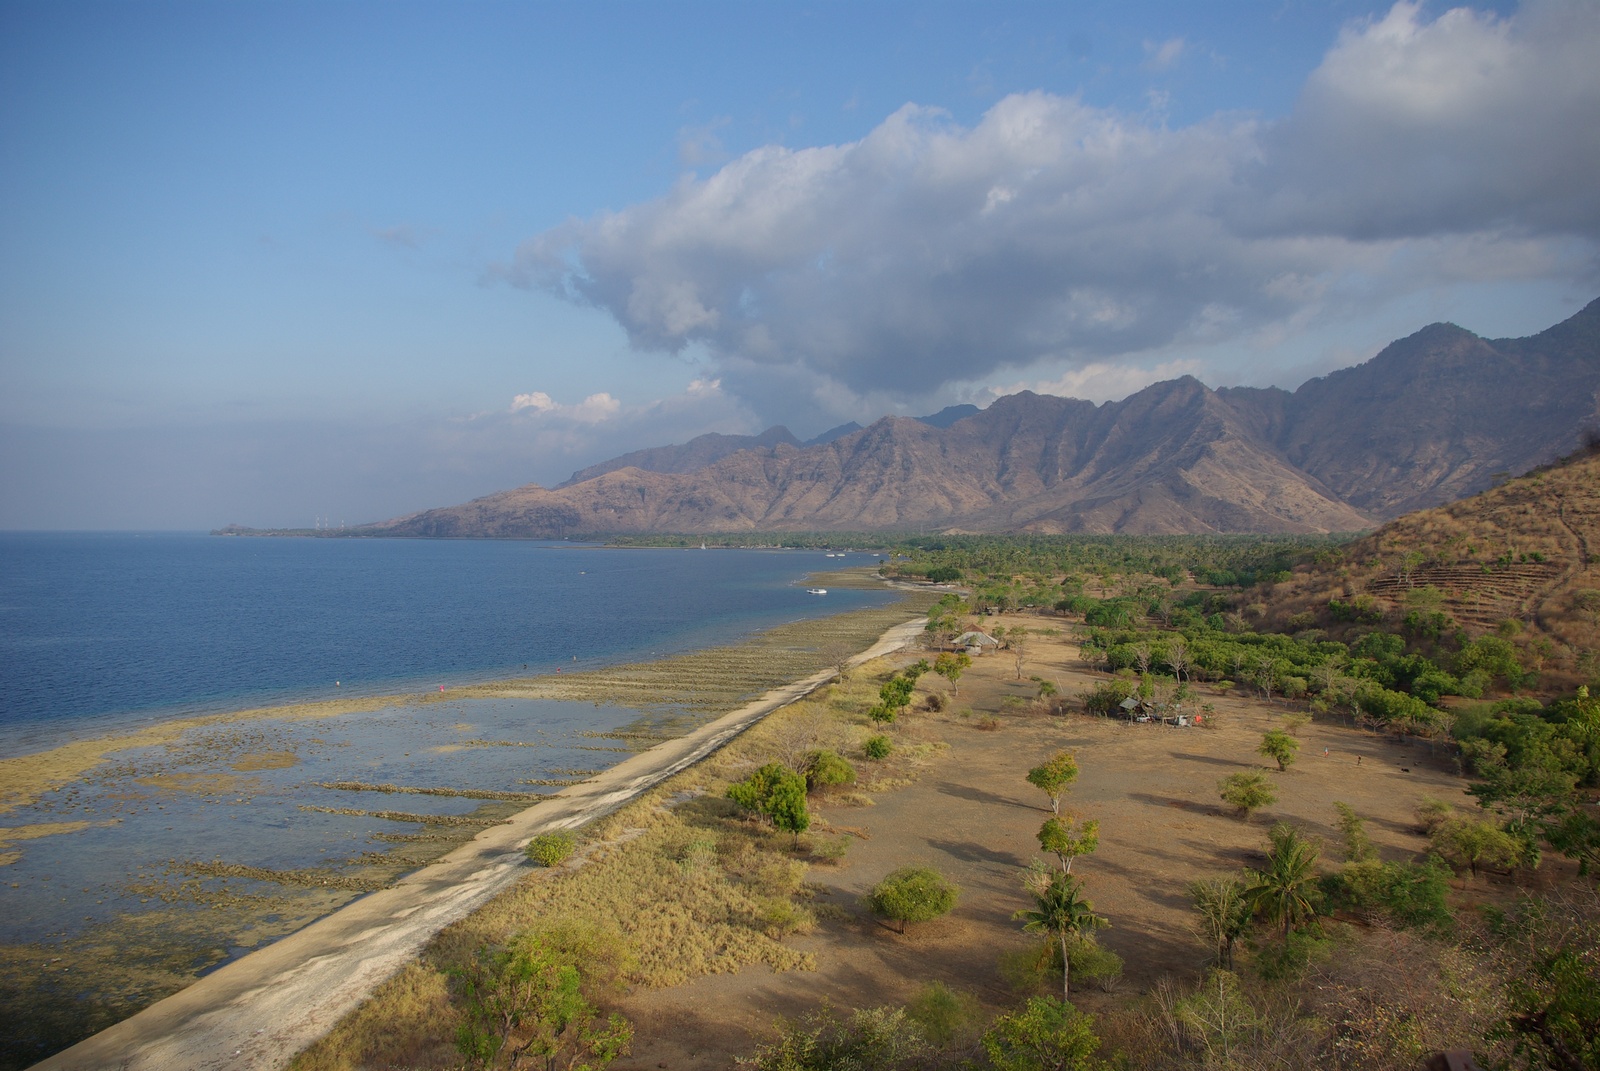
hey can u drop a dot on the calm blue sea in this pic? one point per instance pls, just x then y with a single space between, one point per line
98 631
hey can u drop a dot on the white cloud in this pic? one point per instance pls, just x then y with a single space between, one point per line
1056 235
1464 124
537 400
1162 55
592 410
1102 381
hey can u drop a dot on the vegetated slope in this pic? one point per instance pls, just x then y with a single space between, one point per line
1433 417
1522 559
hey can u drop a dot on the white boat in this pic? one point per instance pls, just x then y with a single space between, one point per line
816 591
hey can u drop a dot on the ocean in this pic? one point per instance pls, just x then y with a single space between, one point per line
103 632
134 873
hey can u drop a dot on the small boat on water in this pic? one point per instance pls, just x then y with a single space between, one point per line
816 591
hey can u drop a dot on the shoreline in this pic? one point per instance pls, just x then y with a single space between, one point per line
26 777
260 1010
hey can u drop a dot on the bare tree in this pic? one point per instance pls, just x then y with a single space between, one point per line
1178 656
1017 641
1266 676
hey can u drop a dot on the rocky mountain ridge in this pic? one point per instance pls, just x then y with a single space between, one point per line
1433 417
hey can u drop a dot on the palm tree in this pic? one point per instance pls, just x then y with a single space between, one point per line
1061 910
1285 890
1224 914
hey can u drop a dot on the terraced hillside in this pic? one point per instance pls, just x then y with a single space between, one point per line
1521 560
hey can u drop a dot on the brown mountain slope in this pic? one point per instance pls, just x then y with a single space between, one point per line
691 456
1433 417
1169 459
1437 415
1522 559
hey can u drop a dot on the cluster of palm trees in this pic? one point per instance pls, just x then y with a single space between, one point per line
1283 893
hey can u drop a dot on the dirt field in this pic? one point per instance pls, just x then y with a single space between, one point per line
972 815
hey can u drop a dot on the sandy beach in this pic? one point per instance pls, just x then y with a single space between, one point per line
259 1010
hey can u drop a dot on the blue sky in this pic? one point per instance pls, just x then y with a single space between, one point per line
269 262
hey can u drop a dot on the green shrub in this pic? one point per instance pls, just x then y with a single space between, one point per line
552 849
880 1039
1431 813
1093 963
781 916
1353 832
1246 792
830 850
1407 894
877 747
1045 1034
824 769
946 1017
912 894
1288 959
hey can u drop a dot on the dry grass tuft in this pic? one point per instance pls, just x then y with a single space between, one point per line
680 881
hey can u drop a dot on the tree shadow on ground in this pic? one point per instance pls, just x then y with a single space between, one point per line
972 852
978 795
1192 806
1211 760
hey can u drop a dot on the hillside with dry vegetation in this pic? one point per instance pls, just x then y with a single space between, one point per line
1521 561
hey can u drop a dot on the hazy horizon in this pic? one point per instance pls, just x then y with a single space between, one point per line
269 262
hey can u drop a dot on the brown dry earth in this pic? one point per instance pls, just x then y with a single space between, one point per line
973 816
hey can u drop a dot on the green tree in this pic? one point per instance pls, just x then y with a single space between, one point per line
1046 1035
1247 791
1286 890
1060 910
1576 835
1353 833
787 808
896 693
1053 776
1058 837
1280 747
1474 842
1224 914
951 666
778 793
1549 958
525 1001
912 894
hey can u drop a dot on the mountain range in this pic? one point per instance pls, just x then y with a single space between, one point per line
1433 417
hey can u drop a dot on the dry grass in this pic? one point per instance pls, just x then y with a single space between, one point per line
679 880
1524 552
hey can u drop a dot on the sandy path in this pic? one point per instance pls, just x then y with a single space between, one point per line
259 1011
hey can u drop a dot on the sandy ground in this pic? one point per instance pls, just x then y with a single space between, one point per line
973 816
258 1011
